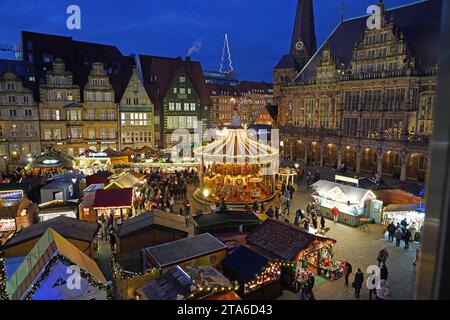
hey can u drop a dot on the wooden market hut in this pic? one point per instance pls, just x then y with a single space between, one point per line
42 275
186 283
100 177
129 179
201 250
233 221
18 216
80 233
246 266
150 229
118 201
289 245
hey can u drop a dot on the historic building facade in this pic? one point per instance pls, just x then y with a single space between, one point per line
365 98
251 98
136 115
19 123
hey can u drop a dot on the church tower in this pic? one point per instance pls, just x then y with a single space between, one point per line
303 47
304 44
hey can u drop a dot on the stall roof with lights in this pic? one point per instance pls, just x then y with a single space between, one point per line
341 193
51 245
52 158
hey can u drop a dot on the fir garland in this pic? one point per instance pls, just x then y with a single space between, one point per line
119 273
90 279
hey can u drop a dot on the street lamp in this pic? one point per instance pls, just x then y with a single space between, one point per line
297 166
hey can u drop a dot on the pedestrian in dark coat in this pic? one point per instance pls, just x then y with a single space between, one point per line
384 272
348 269
357 283
391 231
407 238
398 236
112 239
322 222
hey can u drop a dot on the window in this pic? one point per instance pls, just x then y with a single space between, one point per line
75 133
26 99
111 115
171 106
310 106
136 101
426 114
12 113
12 99
189 90
47 134
98 96
11 86
91 115
91 133
135 87
186 107
103 133
128 101
178 106
90 96
48 58
192 106
47 115
108 96
74 115
182 79
28 113
103 115
14 131
29 130
350 127
182 91
1 130
55 115
57 134
111 133
175 90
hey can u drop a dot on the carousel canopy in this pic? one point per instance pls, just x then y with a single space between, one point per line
237 147
52 158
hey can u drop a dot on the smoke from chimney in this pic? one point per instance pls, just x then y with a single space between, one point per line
196 46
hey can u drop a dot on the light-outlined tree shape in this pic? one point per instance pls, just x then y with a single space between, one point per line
226 64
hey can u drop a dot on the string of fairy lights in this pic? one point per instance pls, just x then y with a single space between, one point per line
89 278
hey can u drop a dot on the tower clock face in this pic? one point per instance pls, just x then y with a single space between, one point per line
299 45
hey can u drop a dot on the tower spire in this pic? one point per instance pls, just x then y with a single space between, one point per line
304 43
226 64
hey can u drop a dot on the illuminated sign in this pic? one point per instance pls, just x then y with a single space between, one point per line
50 161
7 225
347 179
119 160
98 155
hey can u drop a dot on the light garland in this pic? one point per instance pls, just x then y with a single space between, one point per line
270 273
90 279
120 274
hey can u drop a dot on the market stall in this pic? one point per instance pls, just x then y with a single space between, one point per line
119 202
50 161
57 208
258 278
413 213
353 203
62 191
91 161
236 168
292 248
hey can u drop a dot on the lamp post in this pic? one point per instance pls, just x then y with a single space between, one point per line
206 195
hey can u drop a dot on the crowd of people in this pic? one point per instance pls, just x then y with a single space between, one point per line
399 232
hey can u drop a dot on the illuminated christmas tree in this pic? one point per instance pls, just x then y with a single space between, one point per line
226 64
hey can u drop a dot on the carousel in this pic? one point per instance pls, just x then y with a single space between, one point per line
236 168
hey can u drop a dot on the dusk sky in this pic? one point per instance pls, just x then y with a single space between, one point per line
259 30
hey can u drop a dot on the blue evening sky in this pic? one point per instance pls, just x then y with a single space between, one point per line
259 30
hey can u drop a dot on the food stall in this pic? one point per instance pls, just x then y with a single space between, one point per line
353 203
119 202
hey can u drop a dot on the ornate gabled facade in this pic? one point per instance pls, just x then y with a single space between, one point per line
365 98
136 115
19 123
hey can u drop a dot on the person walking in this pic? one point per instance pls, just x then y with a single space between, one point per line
112 239
391 231
357 282
382 256
322 222
407 238
398 236
348 269
373 288
384 272
335 212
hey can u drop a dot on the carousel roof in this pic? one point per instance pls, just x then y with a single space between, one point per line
237 147
52 158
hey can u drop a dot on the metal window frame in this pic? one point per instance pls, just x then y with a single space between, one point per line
433 278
